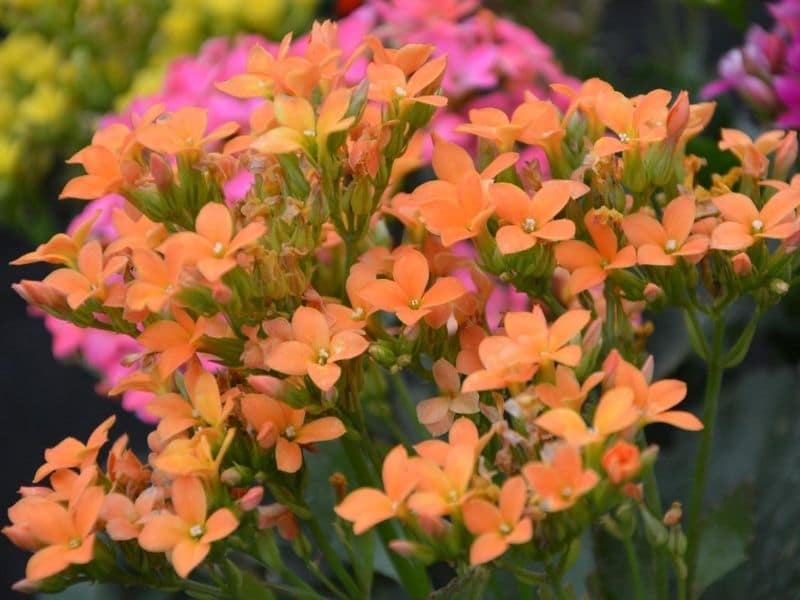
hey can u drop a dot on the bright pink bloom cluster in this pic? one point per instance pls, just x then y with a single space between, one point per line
765 71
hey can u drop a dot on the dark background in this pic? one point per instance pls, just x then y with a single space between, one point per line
636 45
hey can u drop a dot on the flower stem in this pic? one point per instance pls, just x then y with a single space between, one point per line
633 564
413 577
716 369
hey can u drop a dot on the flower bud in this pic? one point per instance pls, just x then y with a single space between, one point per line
634 491
673 515
677 118
161 172
415 550
382 353
621 462
778 286
785 156
742 265
652 292
251 499
339 484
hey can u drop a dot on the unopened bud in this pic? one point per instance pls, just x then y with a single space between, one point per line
652 292
415 550
231 477
161 172
785 156
742 264
382 354
673 515
339 484
678 118
778 286
634 491
221 293
251 499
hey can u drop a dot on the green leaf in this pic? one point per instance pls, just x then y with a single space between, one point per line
468 586
725 537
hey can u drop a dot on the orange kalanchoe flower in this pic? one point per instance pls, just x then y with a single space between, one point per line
278 424
622 462
62 248
63 536
70 453
366 507
442 489
457 204
298 125
213 246
157 280
543 344
653 401
437 413
496 527
187 534
751 154
388 83
567 392
405 294
183 130
89 279
560 481
125 518
660 244
176 341
589 265
533 219
103 174
504 363
313 351
637 121
744 224
615 412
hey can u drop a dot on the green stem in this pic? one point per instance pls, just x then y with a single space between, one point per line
633 564
716 369
653 499
407 402
333 559
413 577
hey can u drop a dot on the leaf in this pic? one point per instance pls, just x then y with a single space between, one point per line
725 537
468 586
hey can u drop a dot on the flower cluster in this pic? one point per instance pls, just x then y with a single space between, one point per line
765 71
492 41
273 325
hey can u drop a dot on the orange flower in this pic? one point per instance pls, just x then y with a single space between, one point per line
751 154
462 433
188 534
156 280
437 413
621 461
405 295
654 401
533 219
89 279
589 266
177 341
457 205
313 351
298 126
213 247
61 249
636 121
205 406
559 482
387 83
567 392
659 244
615 412
63 536
124 518
70 453
103 174
493 124
744 223
366 507
135 230
442 489
543 344
504 363
193 456
278 424
496 527
183 130
260 70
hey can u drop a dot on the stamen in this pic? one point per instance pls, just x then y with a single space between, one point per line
290 432
218 249
529 225
757 225
415 304
196 531
400 91
671 246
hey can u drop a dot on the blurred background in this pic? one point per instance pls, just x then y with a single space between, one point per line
66 63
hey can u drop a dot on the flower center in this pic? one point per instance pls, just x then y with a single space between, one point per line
414 303
218 249
624 138
400 91
566 491
757 225
309 133
74 543
322 356
529 225
197 531
505 528
452 496
671 246
290 432
358 314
